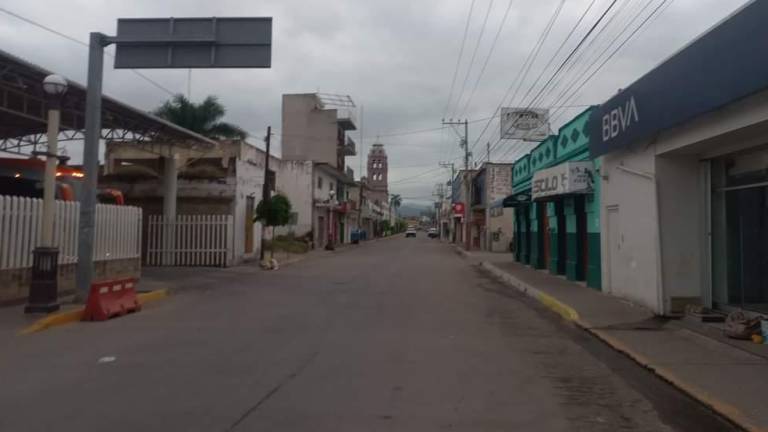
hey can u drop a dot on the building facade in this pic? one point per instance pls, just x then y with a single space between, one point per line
684 185
556 202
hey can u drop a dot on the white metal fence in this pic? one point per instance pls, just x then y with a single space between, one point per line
190 240
118 231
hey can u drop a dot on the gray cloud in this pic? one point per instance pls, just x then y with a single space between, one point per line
395 58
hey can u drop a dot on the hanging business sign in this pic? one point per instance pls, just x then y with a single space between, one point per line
718 68
242 42
564 179
525 124
458 209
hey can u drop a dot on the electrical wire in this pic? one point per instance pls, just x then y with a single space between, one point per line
637 29
458 60
472 59
79 42
529 59
488 57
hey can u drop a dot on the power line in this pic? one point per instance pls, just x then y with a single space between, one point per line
488 57
655 12
549 63
474 54
530 58
79 42
458 60
573 51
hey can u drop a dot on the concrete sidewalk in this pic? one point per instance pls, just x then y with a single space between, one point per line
731 378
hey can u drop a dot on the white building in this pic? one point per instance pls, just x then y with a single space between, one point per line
684 175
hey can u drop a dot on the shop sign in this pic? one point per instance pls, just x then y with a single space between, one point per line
525 123
499 181
458 209
563 179
716 69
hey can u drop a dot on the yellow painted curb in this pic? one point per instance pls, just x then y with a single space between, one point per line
57 319
75 315
152 296
556 305
724 409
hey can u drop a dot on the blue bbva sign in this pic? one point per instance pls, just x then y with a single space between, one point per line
724 65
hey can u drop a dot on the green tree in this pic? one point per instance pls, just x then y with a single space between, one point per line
274 212
203 118
395 201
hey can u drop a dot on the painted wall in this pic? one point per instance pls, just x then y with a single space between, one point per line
249 169
628 227
308 132
295 181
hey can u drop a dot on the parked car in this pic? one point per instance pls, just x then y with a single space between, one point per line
432 233
410 232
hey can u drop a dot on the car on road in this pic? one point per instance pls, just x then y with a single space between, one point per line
432 233
410 232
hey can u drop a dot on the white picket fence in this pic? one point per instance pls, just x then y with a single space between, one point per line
190 240
117 236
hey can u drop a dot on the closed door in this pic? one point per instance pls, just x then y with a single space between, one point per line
545 237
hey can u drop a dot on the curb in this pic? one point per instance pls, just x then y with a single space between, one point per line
724 409
75 315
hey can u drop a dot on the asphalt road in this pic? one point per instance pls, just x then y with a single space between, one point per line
395 335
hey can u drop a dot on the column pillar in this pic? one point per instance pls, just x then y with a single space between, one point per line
170 190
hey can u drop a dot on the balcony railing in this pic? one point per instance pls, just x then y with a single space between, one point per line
346 118
350 148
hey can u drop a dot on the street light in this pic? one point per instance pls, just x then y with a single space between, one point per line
43 291
331 201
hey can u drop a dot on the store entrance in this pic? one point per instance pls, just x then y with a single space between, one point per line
740 232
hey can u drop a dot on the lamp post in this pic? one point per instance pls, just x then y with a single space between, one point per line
43 291
331 202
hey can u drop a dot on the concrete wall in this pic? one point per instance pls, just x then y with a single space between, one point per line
503 225
629 227
308 133
14 283
681 230
249 181
295 180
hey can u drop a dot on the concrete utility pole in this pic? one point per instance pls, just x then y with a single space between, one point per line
467 179
265 188
453 173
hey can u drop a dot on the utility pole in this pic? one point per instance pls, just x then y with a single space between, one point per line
467 179
453 173
265 188
488 151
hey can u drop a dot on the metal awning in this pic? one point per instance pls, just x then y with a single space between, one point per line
23 115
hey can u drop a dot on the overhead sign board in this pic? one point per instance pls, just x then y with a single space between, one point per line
193 43
525 124
720 67
566 178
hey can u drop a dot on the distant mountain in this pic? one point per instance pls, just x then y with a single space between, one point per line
411 210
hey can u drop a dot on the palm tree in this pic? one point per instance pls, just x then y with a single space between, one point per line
203 118
395 201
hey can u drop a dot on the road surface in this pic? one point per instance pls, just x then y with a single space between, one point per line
393 335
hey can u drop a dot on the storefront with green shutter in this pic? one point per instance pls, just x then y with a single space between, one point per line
556 201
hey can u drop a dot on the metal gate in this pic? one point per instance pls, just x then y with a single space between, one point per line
190 240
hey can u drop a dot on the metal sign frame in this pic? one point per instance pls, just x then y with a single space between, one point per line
146 43
529 124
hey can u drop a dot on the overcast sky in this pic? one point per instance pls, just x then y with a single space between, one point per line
396 58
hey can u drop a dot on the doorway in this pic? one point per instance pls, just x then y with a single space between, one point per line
562 238
740 232
582 242
544 236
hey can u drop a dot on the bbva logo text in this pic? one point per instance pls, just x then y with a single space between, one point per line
620 119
